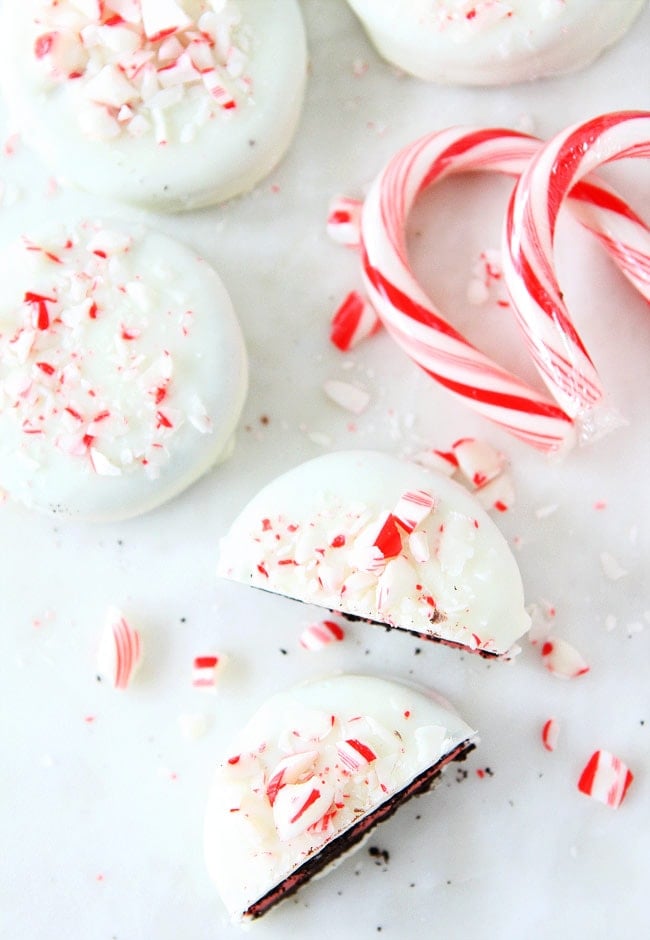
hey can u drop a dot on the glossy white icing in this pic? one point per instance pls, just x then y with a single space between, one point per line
309 764
493 42
329 533
122 370
174 105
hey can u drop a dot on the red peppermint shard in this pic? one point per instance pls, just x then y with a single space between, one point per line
353 322
550 734
120 650
319 635
389 539
562 659
606 779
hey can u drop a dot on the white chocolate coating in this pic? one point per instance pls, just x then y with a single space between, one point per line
354 740
168 118
493 42
122 370
313 534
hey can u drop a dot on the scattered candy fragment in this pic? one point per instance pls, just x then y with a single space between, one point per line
193 726
478 461
605 778
120 649
319 635
497 494
562 659
486 275
550 734
353 322
344 220
348 396
611 567
479 467
206 670
413 507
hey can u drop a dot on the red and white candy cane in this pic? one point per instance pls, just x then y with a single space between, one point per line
409 315
528 264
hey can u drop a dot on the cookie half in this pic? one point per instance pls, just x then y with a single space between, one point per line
383 540
312 773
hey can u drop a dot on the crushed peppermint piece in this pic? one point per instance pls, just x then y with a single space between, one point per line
353 321
605 778
355 755
413 507
498 493
193 726
319 438
479 467
611 567
486 279
636 626
348 396
120 650
540 622
550 734
290 769
610 622
317 636
343 221
133 66
478 461
562 659
206 670
298 806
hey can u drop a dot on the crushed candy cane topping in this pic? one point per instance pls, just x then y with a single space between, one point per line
408 567
85 369
334 768
312 764
481 468
133 65
383 540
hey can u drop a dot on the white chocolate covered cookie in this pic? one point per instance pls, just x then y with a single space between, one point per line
122 370
384 540
313 771
172 104
493 42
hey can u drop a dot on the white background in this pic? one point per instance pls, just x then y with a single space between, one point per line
101 821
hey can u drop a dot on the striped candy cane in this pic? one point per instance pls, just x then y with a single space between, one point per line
409 315
528 264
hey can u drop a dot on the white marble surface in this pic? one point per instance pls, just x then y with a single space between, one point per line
101 821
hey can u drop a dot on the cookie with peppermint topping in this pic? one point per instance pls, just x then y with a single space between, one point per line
383 540
310 776
123 370
169 104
